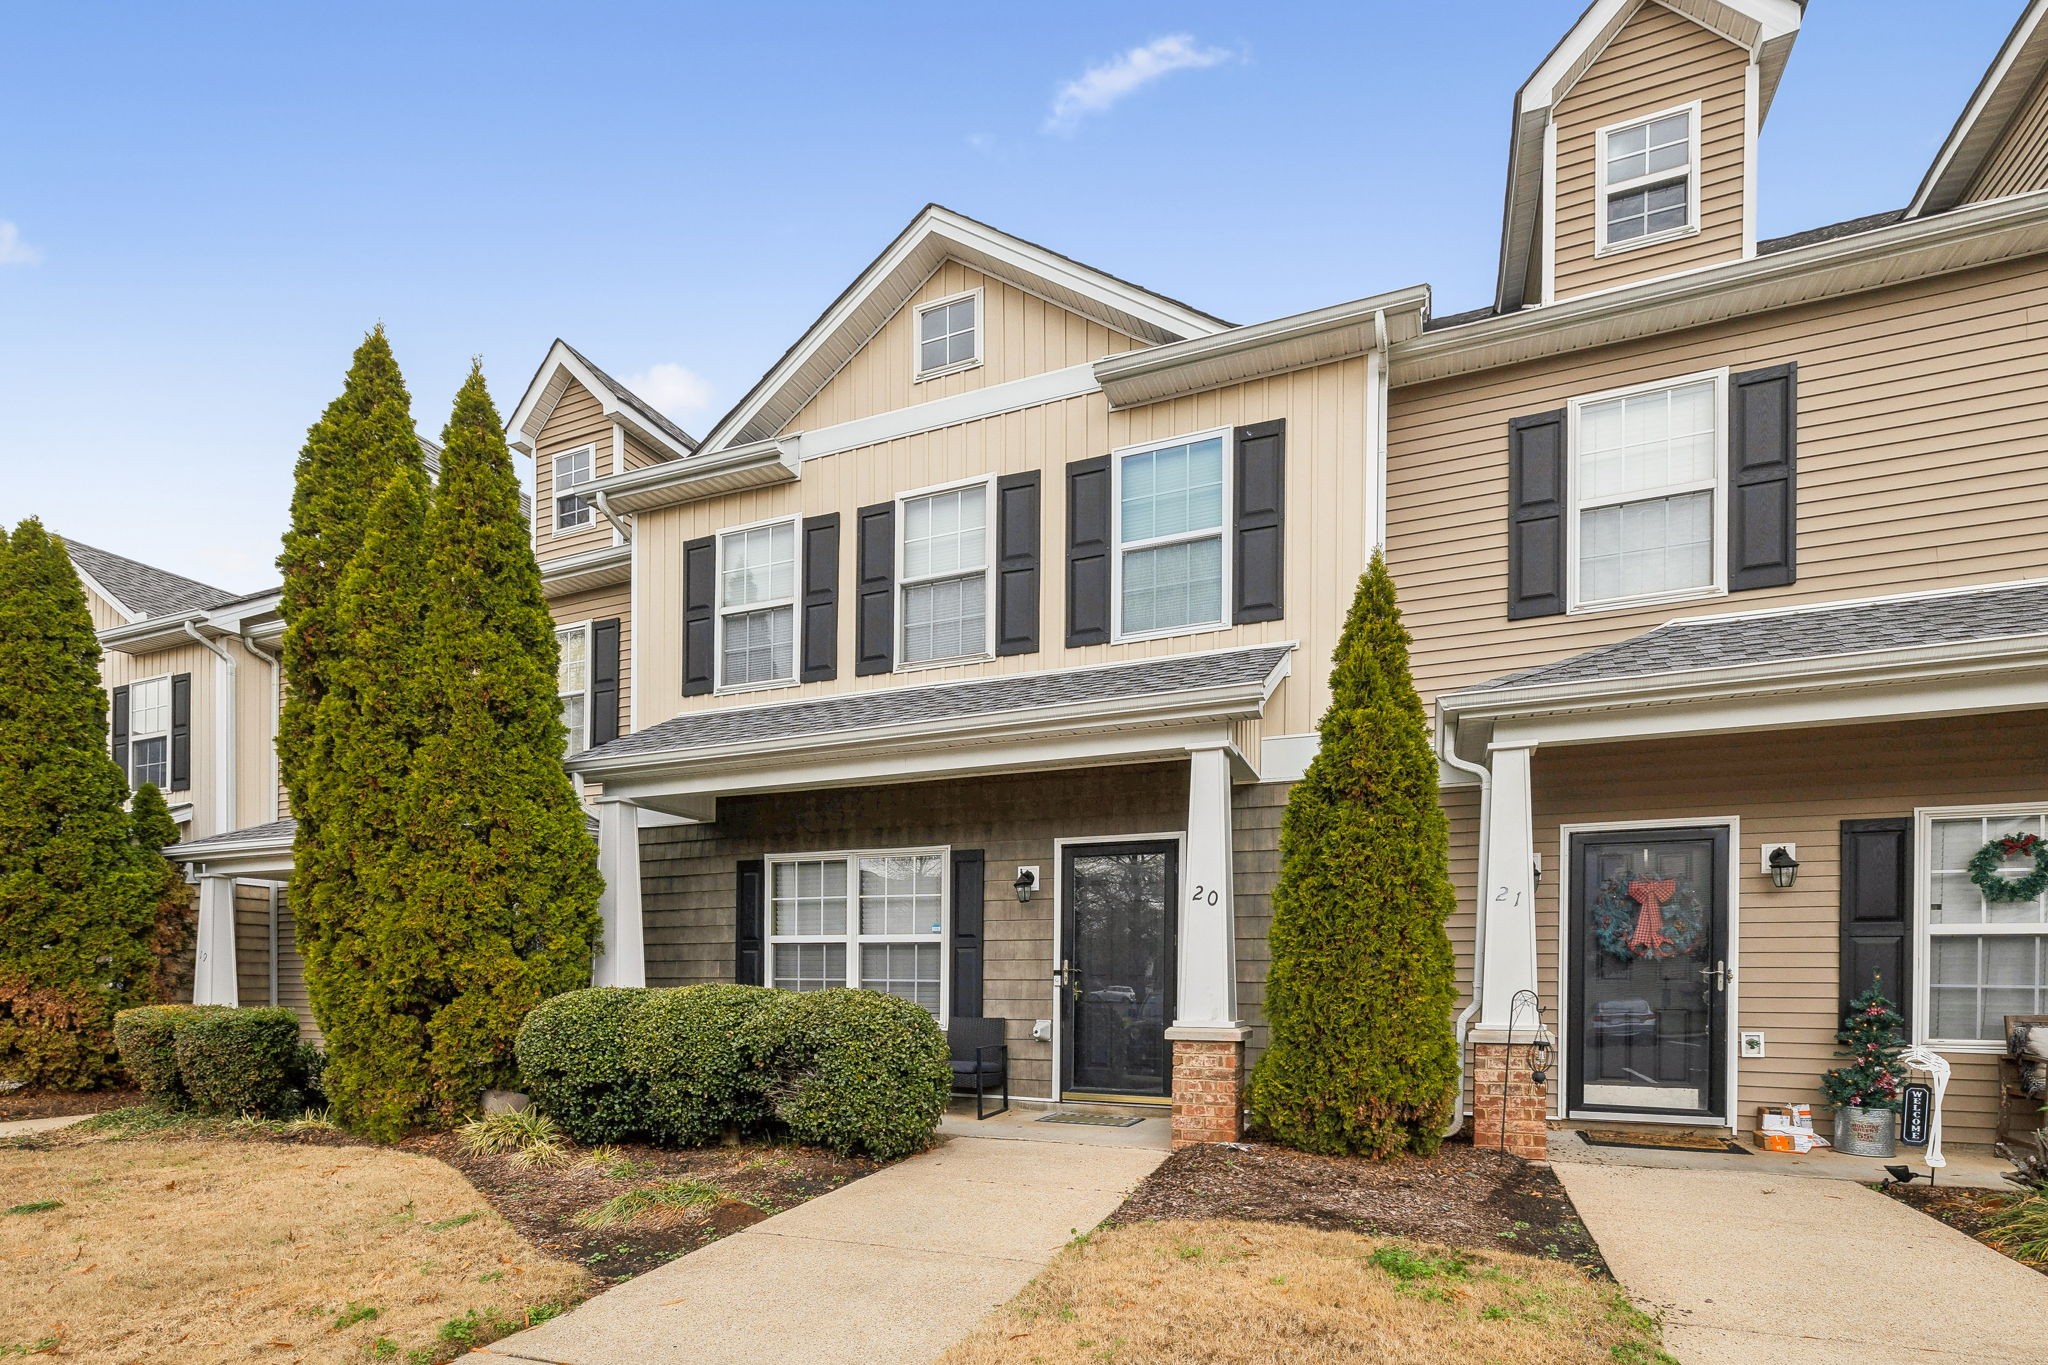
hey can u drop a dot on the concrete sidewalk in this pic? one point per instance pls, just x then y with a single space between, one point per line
23 1127
1754 1266
894 1267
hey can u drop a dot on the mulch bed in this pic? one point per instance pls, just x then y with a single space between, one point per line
1461 1197
1966 1210
49 1104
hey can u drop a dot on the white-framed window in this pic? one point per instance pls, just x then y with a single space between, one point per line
949 334
1648 506
573 468
1649 181
149 733
757 605
572 684
871 920
1977 960
1171 505
945 592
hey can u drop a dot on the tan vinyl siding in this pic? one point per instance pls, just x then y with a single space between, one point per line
291 969
2020 162
105 615
256 782
1658 61
1022 336
578 420
639 454
598 605
1920 420
252 944
118 669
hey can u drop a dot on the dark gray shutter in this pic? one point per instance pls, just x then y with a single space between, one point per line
1763 525
1088 551
970 871
700 616
874 628
747 922
1536 499
181 732
1017 497
1258 571
1877 910
820 633
119 727
604 680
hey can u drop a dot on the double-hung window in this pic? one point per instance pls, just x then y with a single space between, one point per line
944 578
1980 959
572 684
1648 181
871 920
1171 509
149 733
757 605
1645 479
949 335
572 469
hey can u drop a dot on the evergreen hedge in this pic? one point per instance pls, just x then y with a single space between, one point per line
216 1059
1362 1056
573 1059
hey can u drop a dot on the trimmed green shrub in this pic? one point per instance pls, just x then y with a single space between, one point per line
147 1038
701 1054
573 1061
861 1073
240 1061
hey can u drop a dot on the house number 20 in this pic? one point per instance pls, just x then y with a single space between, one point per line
1204 895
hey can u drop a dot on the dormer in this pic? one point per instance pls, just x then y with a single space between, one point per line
1634 153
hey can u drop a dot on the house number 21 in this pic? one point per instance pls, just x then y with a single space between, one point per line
1204 895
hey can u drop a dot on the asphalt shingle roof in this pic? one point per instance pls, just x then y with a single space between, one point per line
143 588
1869 222
636 402
1809 633
949 701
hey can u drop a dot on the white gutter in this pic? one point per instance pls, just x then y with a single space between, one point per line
1447 751
224 718
624 528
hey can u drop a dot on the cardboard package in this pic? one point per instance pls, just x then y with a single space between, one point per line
1786 1128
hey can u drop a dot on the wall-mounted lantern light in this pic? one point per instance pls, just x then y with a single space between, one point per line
1026 883
1780 861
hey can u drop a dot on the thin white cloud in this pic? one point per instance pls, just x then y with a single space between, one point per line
676 391
1100 88
14 251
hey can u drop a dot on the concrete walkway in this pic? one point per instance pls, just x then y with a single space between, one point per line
892 1268
18 1127
1748 1266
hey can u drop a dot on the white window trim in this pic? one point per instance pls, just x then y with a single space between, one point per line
1117 548
1604 190
853 936
917 371
719 610
584 628
170 721
555 491
988 575
1717 586
1923 926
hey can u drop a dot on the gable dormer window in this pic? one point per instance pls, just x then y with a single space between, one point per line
574 510
949 335
1649 189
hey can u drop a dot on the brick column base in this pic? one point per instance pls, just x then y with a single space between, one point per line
1514 1097
1208 1091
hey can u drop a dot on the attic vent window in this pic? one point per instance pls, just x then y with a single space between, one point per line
949 335
1648 186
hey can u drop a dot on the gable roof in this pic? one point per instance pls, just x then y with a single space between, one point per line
563 365
2001 94
934 235
1766 28
140 590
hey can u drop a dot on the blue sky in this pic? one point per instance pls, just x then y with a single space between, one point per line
203 207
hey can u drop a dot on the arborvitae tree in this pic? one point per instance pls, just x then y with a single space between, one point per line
501 899
76 901
172 939
1362 1058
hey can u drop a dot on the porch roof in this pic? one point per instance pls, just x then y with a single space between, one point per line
266 838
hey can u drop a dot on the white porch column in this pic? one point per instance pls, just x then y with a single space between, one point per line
213 971
622 959
1508 953
1206 994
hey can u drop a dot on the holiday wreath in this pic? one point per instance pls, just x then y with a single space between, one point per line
1984 868
1635 918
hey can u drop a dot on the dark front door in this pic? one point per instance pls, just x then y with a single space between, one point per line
1117 975
1649 980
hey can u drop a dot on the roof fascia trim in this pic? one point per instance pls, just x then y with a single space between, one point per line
2020 62
128 614
543 394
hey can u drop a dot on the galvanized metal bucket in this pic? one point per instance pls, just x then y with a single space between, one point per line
1866 1132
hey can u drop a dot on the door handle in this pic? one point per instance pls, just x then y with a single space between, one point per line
1065 978
1718 974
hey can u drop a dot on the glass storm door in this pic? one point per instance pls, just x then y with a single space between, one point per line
1116 979
1649 981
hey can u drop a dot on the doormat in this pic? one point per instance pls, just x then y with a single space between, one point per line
1660 1142
1093 1120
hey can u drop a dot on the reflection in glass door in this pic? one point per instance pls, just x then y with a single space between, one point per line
1116 979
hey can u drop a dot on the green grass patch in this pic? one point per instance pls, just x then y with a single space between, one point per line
353 1314
39 1206
668 1196
1408 1265
449 1224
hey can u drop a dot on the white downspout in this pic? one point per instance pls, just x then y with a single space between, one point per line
224 718
1447 752
1377 365
622 528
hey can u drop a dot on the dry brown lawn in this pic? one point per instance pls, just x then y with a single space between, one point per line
202 1251
1236 1293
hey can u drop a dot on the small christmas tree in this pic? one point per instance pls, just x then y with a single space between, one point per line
1870 1039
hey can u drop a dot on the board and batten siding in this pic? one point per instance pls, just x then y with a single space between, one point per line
1659 60
1326 537
578 420
2019 163
599 604
120 670
1022 335
105 615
